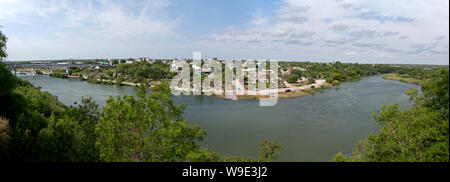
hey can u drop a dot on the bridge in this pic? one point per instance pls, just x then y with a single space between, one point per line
51 66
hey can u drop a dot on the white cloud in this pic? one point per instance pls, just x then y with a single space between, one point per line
83 26
303 30
342 29
102 18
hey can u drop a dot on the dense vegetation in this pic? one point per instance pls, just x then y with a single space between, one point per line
420 133
58 75
145 72
35 126
413 74
136 72
3 40
142 71
334 73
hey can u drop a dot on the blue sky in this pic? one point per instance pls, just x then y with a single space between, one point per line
382 31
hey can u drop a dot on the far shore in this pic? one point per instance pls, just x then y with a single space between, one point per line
397 77
289 92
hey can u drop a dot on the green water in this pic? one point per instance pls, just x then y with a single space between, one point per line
310 128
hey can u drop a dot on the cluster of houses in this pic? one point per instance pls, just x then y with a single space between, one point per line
208 70
289 69
145 59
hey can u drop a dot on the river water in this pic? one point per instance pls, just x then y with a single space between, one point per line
310 128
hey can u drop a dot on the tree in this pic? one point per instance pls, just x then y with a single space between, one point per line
268 151
35 126
119 80
3 40
4 134
72 136
436 93
146 129
8 82
292 78
420 133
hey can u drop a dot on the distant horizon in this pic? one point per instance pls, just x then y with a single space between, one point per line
342 61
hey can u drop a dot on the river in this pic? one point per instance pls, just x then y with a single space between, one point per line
310 128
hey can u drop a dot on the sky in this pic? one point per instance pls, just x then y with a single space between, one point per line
365 31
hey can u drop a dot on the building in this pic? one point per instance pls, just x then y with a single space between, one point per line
299 68
129 61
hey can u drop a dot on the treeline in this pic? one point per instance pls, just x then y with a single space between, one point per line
420 133
144 72
414 74
140 72
35 126
337 72
136 72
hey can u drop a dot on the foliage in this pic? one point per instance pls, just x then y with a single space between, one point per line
141 71
4 133
269 150
29 110
119 80
292 78
337 72
414 74
3 40
403 78
436 93
59 75
71 137
420 133
9 81
146 129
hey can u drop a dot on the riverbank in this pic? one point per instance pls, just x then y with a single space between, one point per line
312 128
289 92
397 77
105 82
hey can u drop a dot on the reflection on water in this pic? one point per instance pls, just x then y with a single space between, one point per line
310 128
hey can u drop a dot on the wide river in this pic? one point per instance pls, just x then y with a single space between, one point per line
310 128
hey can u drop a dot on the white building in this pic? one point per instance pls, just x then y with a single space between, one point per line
299 68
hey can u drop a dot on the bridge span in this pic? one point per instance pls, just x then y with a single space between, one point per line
51 66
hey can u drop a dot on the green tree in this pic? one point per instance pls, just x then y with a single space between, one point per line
3 40
35 126
146 129
269 150
72 136
292 78
420 133
119 80
4 135
436 93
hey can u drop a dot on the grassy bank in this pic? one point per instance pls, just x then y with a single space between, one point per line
398 77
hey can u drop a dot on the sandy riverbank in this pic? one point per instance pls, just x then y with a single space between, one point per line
288 92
